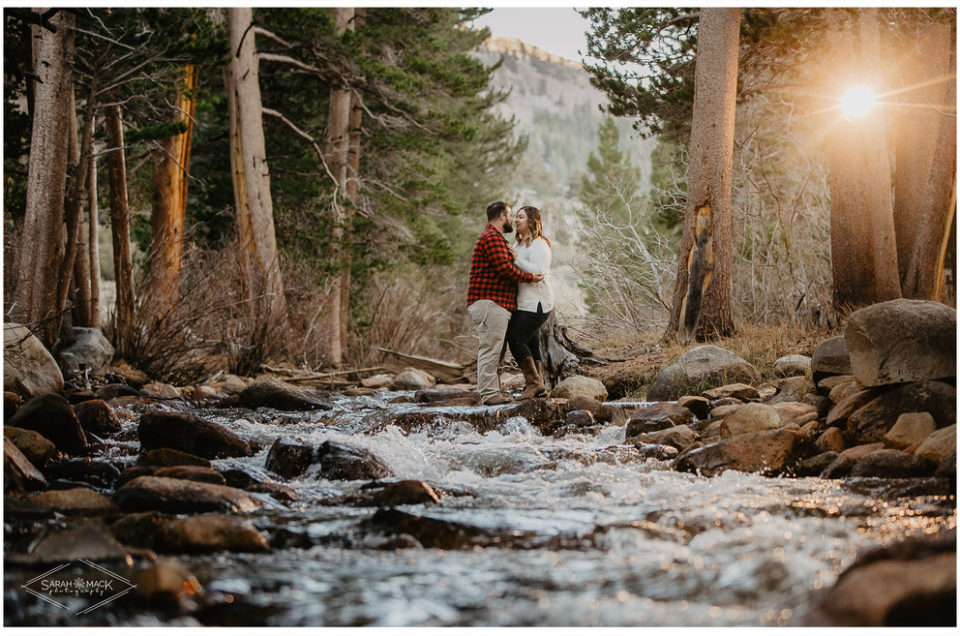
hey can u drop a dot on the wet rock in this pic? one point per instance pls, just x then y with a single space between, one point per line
831 357
92 541
792 389
171 457
168 584
660 452
204 392
179 496
359 392
680 437
53 417
276 394
100 474
437 533
191 473
871 422
35 447
339 461
19 474
830 440
382 495
580 386
710 431
132 472
890 464
737 390
768 452
195 534
839 413
792 365
794 413
189 433
596 408
11 404
909 583
856 452
696 404
902 341
112 391
910 429
28 368
579 420
237 478
948 468
379 381
749 418
97 417
75 501
706 365
432 396
658 417
411 379
938 445
161 391
289 458
814 466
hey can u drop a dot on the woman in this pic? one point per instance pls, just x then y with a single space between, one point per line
534 300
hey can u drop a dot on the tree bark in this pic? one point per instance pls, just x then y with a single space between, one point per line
79 290
251 177
862 235
93 239
170 180
916 139
120 226
924 276
42 239
701 299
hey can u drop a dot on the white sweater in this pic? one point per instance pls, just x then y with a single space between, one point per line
535 259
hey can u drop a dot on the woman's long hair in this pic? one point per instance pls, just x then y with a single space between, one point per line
534 224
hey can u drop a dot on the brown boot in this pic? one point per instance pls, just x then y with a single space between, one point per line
533 383
543 378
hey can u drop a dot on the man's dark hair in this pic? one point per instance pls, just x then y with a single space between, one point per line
494 209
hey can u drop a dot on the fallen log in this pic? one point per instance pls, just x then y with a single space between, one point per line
450 372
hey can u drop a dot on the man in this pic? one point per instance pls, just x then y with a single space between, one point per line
492 297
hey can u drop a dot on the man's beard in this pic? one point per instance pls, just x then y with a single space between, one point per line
507 227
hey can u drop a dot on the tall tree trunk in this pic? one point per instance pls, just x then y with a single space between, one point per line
76 260
338 150
93 238
79 290
701 299
120 225
170 178
862 235
924 277
917 131
41 249
251 177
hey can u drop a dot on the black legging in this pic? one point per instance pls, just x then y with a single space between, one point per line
523 333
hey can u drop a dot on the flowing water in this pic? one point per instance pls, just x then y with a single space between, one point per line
596 535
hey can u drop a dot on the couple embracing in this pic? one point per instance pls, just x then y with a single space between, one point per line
510 298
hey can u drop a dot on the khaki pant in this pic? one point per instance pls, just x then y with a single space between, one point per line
490 320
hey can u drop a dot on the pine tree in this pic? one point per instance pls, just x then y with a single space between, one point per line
612 183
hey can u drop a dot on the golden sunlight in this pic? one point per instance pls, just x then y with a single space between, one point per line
858 101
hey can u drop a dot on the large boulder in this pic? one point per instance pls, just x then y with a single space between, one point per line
90 349
871 422
749 418
701 368
339 461
97 417
902 341
28 368
289 458
580 386
658 417
768 452
37 448
276 394
792 365
831 357
179 495
190 434
53 417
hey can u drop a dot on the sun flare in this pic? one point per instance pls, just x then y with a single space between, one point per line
858 101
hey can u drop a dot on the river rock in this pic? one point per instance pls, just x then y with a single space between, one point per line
660 452
658 417
97 417
792 365
709 431
121 372
97 473
861 450
696 404
11 404
948 469
113 391
28 368
189 433
768 452
890 463
90 348
720 412
19 474
437 533
910 429
194 534
701 367
871 422
819 402
902 341
737 390
838 414
383 495
379 381
171 457
749 418
92 541
913 582
680 437
74 501
434 396
580 386
600 412
792 389
272 393
289 458
938 445
579 419
35 447
830 440
53 417
161 391
794 413
841 466
181 496
167 584
831 357
237 478
191 473
339 461
814 466
411 379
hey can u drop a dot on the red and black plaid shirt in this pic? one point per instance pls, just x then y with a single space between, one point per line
493 276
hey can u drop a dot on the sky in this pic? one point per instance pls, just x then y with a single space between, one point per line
555 30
